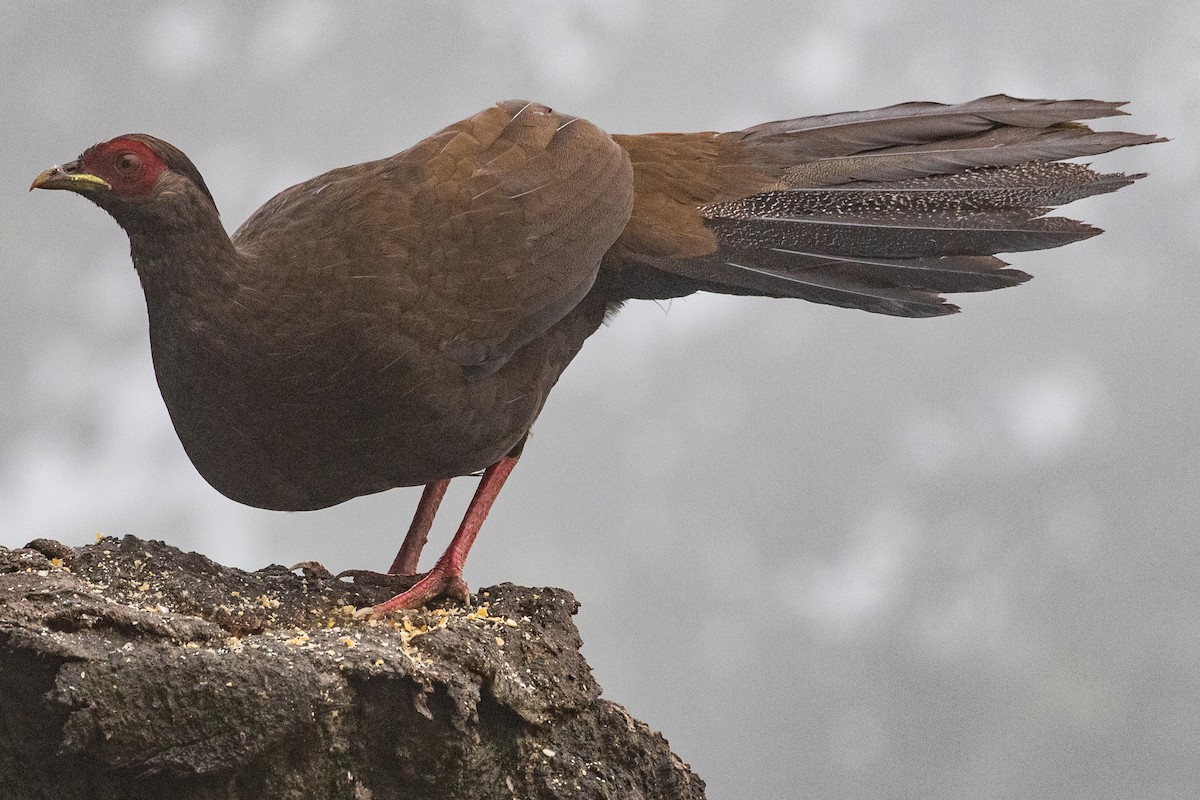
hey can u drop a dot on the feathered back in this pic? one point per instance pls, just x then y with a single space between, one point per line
879 210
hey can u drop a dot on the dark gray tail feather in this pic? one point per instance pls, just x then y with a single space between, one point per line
884 210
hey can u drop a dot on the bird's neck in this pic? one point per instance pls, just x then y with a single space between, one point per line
201 310
184 254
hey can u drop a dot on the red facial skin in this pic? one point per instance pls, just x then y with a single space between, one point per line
130 167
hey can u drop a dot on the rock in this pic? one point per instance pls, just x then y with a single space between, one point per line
130 669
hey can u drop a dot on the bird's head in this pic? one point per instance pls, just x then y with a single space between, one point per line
132 176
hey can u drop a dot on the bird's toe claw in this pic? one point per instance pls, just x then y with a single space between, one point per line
311 569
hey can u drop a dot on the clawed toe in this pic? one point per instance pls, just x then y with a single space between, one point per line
312 569
367 577
435 585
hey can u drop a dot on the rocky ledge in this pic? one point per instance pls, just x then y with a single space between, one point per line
130 669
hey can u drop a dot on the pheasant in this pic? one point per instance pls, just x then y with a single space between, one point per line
401 322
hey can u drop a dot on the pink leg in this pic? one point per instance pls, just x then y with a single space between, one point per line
445 579
418 532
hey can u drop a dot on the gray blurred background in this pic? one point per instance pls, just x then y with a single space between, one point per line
828 554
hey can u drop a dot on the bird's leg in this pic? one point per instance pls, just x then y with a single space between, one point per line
445 579
405 563
418 532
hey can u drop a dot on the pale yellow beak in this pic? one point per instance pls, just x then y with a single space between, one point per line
68 176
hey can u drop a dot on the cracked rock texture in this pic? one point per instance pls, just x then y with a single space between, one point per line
130 669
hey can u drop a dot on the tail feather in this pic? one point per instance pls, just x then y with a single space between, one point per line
936 274
996 148
1027 186
810 138
909 236
899 287
755 275
879 210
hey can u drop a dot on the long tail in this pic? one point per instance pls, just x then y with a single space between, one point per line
879 210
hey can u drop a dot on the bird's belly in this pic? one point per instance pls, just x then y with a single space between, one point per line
296 447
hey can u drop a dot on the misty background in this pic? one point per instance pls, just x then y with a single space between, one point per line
826 553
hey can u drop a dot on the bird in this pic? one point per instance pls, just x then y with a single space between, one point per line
400 322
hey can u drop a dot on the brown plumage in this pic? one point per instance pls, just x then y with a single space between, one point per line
400 322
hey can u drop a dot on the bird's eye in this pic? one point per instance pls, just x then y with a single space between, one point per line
128 163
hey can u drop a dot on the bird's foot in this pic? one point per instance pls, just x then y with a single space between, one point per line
437 583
